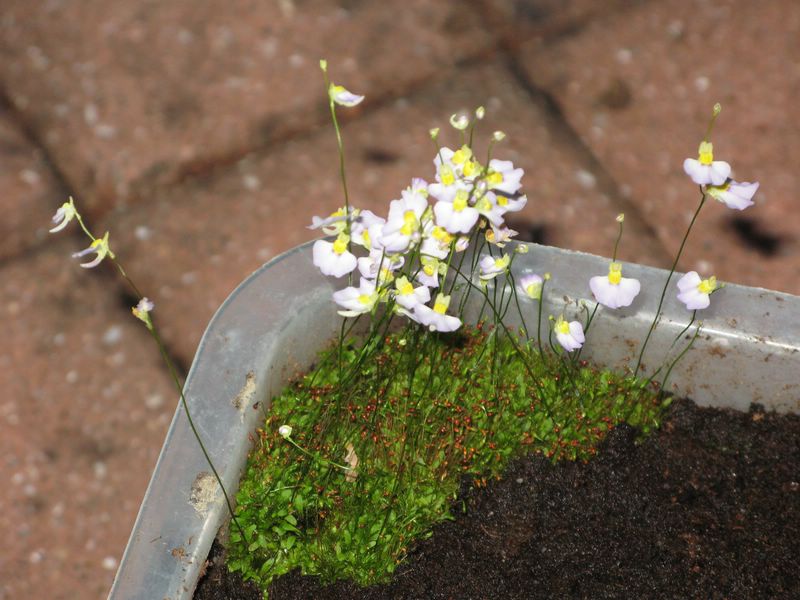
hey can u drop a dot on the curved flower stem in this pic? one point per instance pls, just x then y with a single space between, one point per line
512 338
174 375
666 284
165 357
672 345
516 302
316 456
586 329
340 146
677 359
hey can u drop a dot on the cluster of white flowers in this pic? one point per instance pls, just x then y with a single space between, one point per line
408 253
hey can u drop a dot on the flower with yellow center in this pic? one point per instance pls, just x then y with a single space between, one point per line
357 300
142 312
407 296
334 259
403 224
614 290
457 216
436 318
531 285
503 177
100 248
569 335
339 95
334 223
734 194
64 215
705 170
695 292
491 267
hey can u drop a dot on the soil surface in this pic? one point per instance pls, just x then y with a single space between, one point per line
708 507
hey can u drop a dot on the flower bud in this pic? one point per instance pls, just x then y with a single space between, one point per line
460 122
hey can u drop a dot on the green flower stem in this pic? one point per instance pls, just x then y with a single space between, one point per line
672 345
316 457
340 146
677 359
173 374
514 343
669 278
516 302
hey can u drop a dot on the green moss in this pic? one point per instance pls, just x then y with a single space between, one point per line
420 412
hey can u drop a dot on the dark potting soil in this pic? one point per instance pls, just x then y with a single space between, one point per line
708 507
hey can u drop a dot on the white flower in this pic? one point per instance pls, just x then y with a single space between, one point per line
458 216
334 259
487 208
333 224
491 267
429 273
142 311
356 300
434 247
460 122
285 431
435 318
510 203
503 177
705 170
369 270
734 194
500 236
64 215
340 95
614 290
531 285
695 292
569 335
364 226
464 163
98 247
462 243
404 224
407 296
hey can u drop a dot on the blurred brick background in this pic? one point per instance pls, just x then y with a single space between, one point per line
196 133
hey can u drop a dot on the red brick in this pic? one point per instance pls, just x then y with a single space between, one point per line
30 194
128 95
84 410
519 20
199 240
639 88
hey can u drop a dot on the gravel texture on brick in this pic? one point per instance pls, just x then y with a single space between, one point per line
30 195
130 95
642 104
84 410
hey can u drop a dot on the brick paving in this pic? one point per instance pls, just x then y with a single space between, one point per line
197 135
642 105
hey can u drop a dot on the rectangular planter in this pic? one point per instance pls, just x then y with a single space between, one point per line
272 326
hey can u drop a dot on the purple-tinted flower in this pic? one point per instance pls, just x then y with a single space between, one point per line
734 194
705 170
695 292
